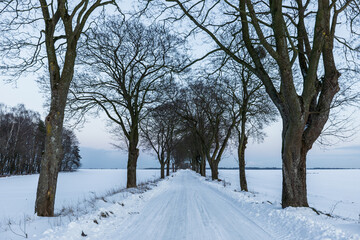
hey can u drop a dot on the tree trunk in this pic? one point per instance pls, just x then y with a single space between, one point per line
214 170
203 166
241 156
46 190
168 165
59 83
131 167
162 170
193 164
294 153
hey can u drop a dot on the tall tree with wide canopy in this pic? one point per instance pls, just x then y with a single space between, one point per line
38 33
126 62
299 37
250 100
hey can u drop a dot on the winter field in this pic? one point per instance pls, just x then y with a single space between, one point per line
336 192
74 190
184 206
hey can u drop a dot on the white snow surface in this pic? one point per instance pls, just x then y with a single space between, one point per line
336 192
18 193
188 206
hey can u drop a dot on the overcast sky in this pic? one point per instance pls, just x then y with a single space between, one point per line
97 151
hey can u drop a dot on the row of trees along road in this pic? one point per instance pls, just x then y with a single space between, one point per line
129 64
298 37
125 69
22 143
226 103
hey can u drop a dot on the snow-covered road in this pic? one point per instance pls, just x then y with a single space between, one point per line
190 209
186 206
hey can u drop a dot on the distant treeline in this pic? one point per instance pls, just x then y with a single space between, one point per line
22 142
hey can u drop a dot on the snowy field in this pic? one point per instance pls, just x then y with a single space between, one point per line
184 201
336 192
18 193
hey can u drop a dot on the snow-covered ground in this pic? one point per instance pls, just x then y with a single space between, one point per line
17 193
187 206
336 192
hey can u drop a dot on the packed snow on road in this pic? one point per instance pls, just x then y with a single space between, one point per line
183 206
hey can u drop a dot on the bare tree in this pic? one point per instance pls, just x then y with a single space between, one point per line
159 132
221 118
58 25
191 145
299 37
251 101
126 63
211 115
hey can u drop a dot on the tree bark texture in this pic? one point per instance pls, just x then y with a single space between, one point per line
214 170
133 155
203 165
294 192
241 157
162 170
168 165
46 189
